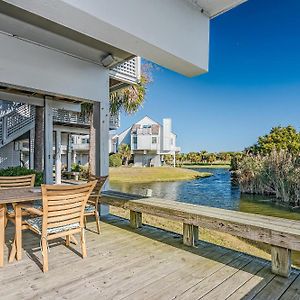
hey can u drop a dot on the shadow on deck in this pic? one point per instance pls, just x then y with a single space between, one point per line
147 263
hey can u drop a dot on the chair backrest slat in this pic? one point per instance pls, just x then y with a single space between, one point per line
99 185
7 182
64 205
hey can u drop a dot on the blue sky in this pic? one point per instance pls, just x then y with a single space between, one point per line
253 81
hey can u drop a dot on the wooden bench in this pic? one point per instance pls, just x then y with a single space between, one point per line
283 235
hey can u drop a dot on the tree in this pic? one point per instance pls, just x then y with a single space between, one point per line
125 152
279 138
115 160
128 100
38 139
211 158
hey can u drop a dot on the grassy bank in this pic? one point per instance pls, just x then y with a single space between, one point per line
207 166
144 175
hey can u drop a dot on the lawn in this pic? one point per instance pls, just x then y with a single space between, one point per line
143 175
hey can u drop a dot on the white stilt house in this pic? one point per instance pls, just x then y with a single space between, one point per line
59 53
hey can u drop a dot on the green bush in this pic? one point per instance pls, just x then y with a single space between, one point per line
75 167
115 160
19 171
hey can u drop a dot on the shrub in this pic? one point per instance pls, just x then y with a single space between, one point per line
75 167
84 172
115 160
277 173
19 171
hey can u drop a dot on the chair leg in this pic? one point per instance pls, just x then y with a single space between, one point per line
85 221
97 221
73 240
5 221
13 252
83 245
68 239
45 255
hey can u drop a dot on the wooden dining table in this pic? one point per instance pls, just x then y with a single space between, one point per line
15 196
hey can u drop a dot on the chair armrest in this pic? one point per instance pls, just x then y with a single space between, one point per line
30 209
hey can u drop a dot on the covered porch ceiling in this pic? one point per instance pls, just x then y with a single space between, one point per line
92 29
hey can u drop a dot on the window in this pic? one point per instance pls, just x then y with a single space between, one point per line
172 142
134 140
154 140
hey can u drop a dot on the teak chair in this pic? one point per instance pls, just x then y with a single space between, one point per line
63 215
9 182
92 206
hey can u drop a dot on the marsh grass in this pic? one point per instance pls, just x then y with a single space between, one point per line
277 173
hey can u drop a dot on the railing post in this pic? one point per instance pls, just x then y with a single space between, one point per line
31 149
281 261
4 129
69 154
135 219
190 234
58 157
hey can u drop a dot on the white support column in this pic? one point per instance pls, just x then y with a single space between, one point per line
101 125
69 154
48 141
31 149
74 156
58 157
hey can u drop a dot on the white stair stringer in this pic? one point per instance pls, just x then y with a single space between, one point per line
16 123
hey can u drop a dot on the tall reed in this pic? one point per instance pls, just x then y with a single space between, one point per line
277 173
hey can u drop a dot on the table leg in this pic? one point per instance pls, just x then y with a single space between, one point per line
2 234
18 237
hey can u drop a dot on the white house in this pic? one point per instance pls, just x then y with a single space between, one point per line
149 141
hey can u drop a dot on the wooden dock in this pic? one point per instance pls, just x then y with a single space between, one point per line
147 263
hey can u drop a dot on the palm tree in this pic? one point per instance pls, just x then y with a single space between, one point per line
128 100
38 138
125 152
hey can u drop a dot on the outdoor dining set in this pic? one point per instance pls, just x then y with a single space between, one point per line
50 211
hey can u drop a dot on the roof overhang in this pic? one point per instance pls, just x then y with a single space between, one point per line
171 33
213 8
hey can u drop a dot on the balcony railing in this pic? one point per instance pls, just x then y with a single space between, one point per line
81 119
126 73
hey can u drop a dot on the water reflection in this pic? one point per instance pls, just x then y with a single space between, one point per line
216 191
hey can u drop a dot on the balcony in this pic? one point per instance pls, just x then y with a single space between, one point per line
81 147
125 74
64 117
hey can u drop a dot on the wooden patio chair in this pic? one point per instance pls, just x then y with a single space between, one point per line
92 206
63 215
9 182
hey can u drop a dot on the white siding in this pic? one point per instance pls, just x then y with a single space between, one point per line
40 69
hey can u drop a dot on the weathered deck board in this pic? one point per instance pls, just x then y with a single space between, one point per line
146 263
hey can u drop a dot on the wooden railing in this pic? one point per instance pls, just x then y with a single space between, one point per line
283 235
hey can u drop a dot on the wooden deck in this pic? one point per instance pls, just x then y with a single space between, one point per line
147 263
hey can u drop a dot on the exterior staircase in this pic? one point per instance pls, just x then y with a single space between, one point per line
16 123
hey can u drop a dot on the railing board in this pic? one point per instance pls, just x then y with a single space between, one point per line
269 230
